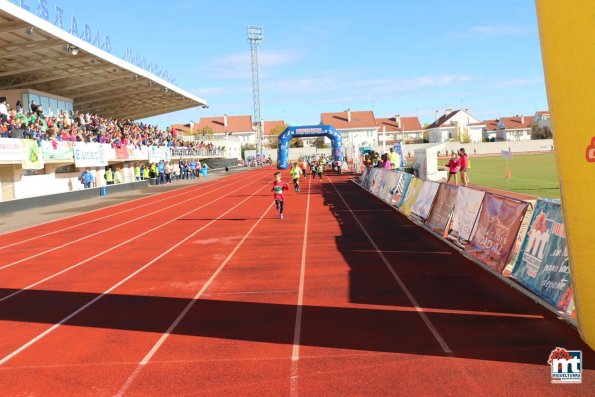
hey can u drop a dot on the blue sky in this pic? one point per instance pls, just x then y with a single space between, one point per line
393 57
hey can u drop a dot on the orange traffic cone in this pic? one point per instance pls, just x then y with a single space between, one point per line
508 176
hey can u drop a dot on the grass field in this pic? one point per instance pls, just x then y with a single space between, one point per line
533 175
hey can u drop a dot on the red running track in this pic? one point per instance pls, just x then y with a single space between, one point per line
204 291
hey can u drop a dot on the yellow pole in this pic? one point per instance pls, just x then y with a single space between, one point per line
567 32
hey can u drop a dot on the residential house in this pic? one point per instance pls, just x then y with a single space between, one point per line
489 132
541 128
358 128
517 128
268 127
452 124
238 127
399 129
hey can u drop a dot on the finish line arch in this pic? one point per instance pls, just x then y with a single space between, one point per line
306 131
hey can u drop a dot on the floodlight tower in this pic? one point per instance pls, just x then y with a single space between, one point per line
255 38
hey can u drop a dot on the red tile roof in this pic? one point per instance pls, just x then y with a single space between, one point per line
406 124
443 119
542 112
514 123
491 125
269 125
363 119
234 124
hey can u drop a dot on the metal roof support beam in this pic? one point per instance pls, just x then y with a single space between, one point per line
118 87
132 95
13 28
53 78
87 84
44 66
37 47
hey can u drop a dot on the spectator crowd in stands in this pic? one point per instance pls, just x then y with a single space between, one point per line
85 127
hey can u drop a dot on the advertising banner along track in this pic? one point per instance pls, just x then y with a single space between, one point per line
464 216
425 199
442 209
412 192
497 227
542 264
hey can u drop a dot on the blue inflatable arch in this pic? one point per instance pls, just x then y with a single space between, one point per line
306 131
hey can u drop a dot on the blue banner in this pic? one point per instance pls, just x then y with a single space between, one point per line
542 264
401 190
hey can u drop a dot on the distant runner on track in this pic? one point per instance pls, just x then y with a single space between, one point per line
278 188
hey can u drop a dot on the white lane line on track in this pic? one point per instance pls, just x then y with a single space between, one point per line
405 252
397 278
149 196
297 331
114 247
110 228
181 316
24 347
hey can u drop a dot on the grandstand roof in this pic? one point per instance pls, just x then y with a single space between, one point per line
98 82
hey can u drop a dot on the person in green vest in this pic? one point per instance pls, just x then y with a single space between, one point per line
137 172
109 176
146 172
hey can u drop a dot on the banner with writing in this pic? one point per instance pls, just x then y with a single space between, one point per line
391 178
33 159
542 264
442 208
425 199
121 152
392 185
401 189
414 187
57 150
89 155
11 150
497 226
464 216
158 153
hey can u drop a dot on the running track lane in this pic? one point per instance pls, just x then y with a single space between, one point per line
27 272
66 231
94 277
360 333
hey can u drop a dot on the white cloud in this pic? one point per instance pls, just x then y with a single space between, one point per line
238 65
495 30
519 81
363 87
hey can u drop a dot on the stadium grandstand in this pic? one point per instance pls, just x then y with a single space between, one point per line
67 105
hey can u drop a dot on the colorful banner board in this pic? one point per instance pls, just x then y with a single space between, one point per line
566 30
464 216
33 159
89 155
425 199
61 151
442 209
412 192
497 227
401 189
11 150
542 264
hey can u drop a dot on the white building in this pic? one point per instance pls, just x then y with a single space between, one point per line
541 126
399 129
238 127
357 128
452 124
517 128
